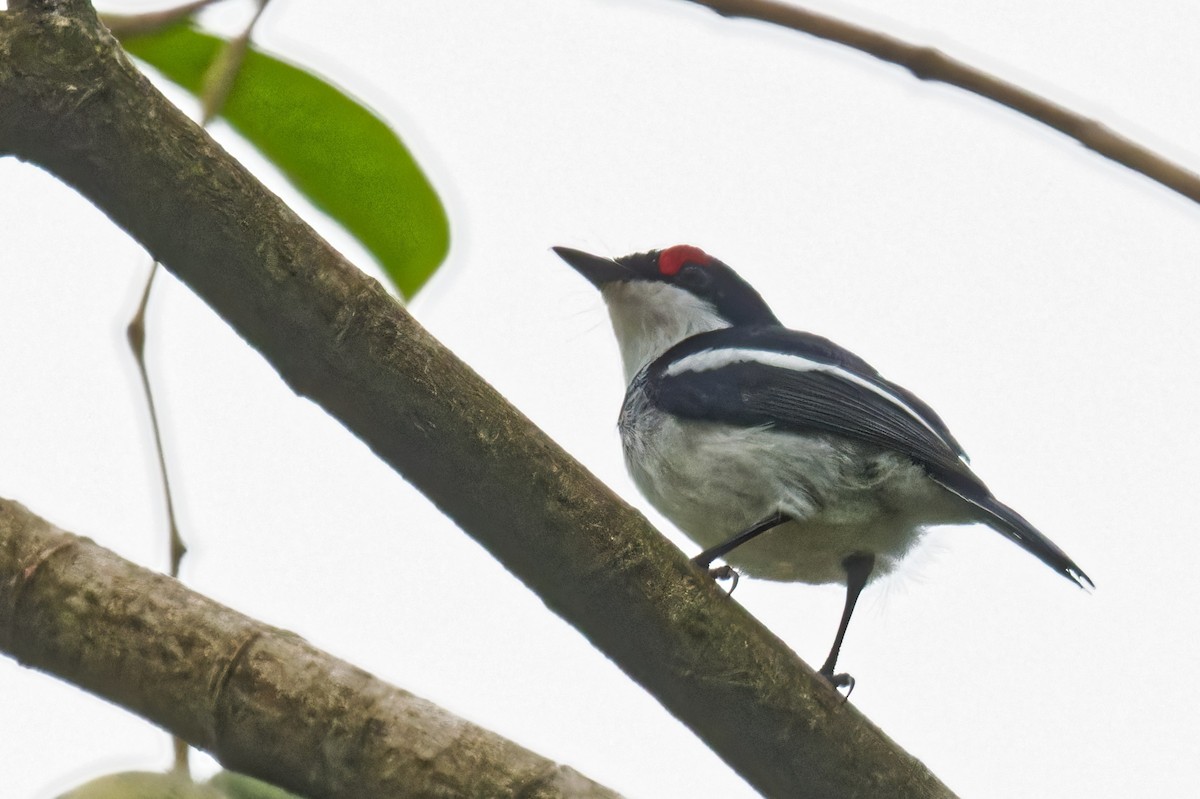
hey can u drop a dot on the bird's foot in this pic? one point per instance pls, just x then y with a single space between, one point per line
719 573
838 682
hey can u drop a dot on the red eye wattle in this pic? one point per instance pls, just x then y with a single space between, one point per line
672 259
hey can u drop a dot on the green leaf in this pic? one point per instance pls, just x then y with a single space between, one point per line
239 786
143 785
341 156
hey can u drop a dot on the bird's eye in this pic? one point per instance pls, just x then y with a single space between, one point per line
694 276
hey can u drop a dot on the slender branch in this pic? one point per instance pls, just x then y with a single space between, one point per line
133 24
263 701
222 73
928 63
135 333
75 105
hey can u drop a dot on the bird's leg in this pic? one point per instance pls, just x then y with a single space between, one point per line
704 559
858 569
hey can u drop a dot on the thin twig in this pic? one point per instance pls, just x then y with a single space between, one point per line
928 63
222 73
136 334
132 24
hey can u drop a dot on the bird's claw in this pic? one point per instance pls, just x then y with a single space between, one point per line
719 573
838 682
725 573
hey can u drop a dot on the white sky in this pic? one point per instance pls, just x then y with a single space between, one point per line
1041 298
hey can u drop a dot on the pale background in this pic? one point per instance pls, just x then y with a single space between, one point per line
1039 297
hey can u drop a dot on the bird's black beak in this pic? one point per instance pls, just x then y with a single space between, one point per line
599 271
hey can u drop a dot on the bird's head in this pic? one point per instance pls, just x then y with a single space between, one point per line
658 298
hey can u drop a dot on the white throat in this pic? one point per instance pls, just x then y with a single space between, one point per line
649 318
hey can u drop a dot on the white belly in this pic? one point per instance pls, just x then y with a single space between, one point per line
714 481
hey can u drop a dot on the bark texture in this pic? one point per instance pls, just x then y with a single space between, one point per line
263 701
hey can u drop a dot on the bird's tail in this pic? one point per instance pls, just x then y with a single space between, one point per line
1014 526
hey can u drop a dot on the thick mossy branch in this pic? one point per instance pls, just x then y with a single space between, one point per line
75 105
263 701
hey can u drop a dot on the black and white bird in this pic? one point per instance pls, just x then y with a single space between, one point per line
776 450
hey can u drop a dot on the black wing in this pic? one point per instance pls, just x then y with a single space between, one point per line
838 381
801 383
816 348
804 383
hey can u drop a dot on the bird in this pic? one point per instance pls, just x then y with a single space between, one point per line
781 453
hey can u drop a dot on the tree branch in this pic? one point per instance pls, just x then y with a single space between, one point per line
133 24
75 105
263 701
929 63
